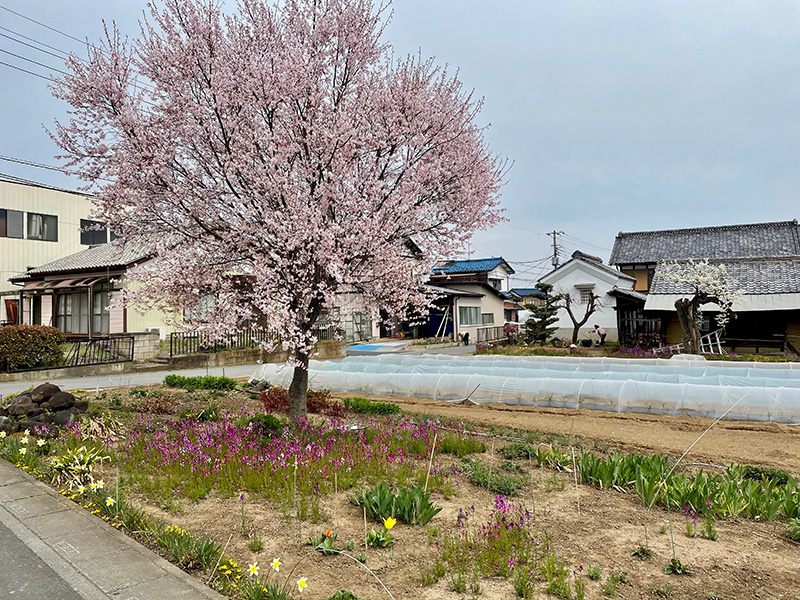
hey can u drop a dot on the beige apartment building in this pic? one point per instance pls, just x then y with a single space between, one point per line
38 224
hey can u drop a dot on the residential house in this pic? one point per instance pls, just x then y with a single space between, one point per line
474 295
582 277
38 224
73 293
762 260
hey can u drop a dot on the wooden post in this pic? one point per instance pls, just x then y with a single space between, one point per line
430 462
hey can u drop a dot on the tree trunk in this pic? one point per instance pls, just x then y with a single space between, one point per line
298 390
687 316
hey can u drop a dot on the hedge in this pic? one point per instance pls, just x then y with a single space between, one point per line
30 347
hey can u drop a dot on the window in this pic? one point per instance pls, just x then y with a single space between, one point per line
11 223
469 315
93 232
496 283
586 296
487 318
72 312
42 227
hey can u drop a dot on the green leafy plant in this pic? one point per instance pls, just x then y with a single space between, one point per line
665 590
410 505
186 550
708 530
643 553
481 475
675 567
200 383
517 450
76 466
366 406
344 595
379 539
793 530
434 573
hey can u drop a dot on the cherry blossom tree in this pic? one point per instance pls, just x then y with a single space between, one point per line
278 155
702 283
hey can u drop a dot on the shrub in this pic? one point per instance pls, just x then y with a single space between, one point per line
200 383
481 475
276 399
265 425
30 346
517 450
366 406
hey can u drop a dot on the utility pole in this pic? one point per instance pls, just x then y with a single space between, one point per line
555 235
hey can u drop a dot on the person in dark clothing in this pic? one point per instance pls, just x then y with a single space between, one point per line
601 334
466 338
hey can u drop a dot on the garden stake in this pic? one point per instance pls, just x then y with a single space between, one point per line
214 570
366 545
430 462
575 473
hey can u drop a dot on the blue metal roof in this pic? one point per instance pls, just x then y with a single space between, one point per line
478 265
526 291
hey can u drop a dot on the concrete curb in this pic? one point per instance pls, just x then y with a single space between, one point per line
96 560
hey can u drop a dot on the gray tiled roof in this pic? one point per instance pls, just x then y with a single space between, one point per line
104 256
759 276
755 240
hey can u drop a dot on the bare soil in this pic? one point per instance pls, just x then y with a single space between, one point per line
586 526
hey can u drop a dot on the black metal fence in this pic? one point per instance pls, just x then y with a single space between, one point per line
193 342
86 352
99 351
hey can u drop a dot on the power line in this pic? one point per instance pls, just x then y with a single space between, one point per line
5 64
30 60
20 15
30 163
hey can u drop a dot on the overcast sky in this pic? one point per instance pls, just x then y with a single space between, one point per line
618 116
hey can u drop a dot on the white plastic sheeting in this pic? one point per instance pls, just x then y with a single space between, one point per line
756 391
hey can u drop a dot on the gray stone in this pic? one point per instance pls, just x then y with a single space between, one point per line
18 410
58 401
45 417
82 405
40 429
23 398
8 425
63 417
44 392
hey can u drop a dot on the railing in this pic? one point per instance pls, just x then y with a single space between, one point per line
86 352
193 342
490 334
99 351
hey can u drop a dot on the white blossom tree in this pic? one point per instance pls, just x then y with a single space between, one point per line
278 155
703 283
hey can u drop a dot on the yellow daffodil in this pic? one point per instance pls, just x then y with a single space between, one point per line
40 443
302 583
23 450
253 569
24 439
109 501
276 564
389 523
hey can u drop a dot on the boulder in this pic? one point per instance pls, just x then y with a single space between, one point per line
38 429
44 392
8 425
23 398
45 417
59 401
18 410
63 417
82 405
